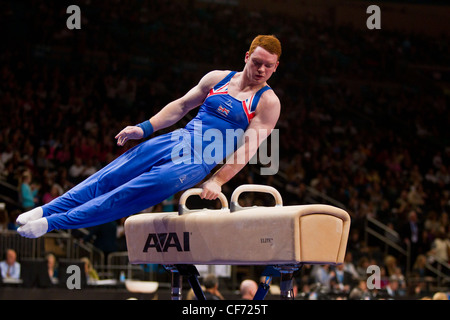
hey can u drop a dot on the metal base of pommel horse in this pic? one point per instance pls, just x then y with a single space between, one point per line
180 271
286 272
283 238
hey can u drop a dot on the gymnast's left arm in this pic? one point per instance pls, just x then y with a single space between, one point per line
264 121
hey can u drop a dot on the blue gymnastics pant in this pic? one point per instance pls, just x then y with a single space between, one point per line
138 179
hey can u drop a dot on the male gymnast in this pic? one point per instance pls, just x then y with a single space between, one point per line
147 174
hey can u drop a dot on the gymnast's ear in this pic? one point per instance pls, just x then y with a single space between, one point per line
276 66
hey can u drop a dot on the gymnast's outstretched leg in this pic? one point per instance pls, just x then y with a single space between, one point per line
129 165
146 190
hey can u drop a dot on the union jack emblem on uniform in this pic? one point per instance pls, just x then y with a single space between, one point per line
223 110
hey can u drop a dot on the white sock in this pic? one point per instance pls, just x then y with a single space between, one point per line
34 228
31 215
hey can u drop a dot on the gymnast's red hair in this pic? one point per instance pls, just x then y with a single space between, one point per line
267 42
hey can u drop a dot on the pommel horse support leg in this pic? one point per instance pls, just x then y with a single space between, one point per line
284 238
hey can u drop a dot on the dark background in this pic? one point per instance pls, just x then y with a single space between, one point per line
365 113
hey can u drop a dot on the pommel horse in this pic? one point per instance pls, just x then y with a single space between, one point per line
283 238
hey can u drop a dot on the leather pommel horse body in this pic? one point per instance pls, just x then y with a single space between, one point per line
282 237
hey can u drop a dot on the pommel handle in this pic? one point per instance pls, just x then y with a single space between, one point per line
197 191
254 188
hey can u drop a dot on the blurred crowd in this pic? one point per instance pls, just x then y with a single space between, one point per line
364 113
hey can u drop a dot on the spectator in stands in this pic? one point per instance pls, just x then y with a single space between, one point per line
321 275
431 224
54 192
402 285
361 268
89 168
392 268
3 218
360 292
341 280
392 288
10 268
419 269
76 171
91 273
248 289
444 223
349 266
62 179
440 296
420 290
28 191
52 267
190 295
211 283
411 234
440 247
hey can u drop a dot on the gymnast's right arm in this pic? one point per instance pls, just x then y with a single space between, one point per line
175 110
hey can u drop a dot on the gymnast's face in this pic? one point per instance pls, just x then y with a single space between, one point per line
260 65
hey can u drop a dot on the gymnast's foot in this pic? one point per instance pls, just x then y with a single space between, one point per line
34 228
31 215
